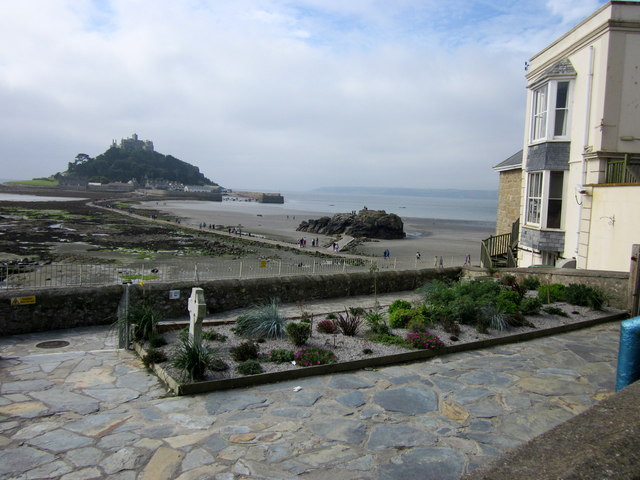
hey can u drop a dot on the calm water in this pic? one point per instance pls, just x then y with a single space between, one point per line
404 205
13 197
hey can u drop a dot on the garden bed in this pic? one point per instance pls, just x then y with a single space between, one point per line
350 350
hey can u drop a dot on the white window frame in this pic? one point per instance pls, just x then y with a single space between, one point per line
544 111
541 198
534 199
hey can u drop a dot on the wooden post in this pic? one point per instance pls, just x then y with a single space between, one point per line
634 282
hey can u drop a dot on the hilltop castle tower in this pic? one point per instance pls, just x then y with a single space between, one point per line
133 143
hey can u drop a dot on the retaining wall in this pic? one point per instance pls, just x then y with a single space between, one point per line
73 307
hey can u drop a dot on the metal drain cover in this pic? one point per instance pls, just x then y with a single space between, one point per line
53 344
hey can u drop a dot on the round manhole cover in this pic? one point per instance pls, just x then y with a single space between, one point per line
53 344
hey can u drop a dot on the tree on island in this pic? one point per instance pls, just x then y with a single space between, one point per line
122 165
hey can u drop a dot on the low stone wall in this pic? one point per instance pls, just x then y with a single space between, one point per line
74 307
615 284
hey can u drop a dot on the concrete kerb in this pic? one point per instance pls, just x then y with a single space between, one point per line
412 356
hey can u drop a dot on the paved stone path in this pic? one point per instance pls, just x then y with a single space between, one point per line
89 410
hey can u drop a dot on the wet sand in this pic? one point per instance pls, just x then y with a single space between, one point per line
451 239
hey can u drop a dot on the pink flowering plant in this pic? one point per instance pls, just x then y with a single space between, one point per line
311 356
424 340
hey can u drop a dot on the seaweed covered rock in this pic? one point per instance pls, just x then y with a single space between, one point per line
365 223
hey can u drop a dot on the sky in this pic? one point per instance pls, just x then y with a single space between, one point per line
276 95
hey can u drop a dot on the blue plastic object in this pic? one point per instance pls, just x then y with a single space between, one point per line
628 353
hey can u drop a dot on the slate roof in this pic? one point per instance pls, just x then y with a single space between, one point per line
511 163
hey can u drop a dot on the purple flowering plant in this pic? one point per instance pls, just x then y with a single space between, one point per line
311 356
424 340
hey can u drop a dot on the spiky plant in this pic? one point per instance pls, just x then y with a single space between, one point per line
494 318
261 321
144 319
193 360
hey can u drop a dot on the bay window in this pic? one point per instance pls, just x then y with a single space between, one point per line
544 199
550 111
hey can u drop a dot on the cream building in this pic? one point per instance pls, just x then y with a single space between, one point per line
581 160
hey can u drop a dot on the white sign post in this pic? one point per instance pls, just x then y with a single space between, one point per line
197 310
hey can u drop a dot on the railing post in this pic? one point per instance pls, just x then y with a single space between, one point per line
280 268
344 266
240 274
313 270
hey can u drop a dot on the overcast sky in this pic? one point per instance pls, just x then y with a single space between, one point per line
276 95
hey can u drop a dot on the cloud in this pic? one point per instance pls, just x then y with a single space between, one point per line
274 94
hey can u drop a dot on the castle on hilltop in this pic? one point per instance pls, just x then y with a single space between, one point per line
133 143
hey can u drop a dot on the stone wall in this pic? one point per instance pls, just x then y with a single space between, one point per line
509 191
615 284
74 307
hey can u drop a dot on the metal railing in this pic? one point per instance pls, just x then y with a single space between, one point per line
32 276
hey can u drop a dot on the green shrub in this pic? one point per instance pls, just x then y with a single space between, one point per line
152 357
418 323
530 306
298 333
249 367
482 291
193 360
376 321
508 280
507 306
399 305
311 356
261 321
509 295
530 283
213 336
555 311
244 351
388 339
554 292
349 323
279 356
464 310
399 318
584 295
437 292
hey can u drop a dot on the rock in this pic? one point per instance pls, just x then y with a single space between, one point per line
366 223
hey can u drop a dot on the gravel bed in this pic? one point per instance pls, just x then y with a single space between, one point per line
351 348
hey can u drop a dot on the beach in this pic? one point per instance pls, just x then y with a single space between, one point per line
450 239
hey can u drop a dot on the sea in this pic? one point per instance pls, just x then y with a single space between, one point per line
446 208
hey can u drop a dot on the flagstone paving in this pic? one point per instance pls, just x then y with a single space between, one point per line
89 410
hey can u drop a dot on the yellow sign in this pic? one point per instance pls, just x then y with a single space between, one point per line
263 264
23 300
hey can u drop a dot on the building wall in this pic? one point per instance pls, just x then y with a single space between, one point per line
615 227
509 191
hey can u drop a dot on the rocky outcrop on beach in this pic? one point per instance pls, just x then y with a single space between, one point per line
365 223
